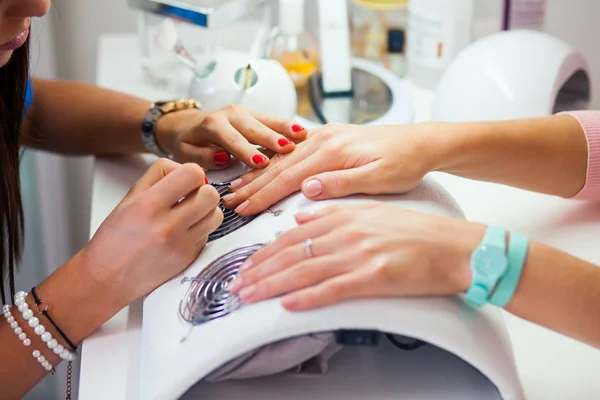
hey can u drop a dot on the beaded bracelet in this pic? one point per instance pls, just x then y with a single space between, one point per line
40 329
26 341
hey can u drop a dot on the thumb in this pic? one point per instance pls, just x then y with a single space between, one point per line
334 184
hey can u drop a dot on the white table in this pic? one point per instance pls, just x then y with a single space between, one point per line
551 366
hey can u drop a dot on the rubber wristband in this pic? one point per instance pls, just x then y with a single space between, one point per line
517 253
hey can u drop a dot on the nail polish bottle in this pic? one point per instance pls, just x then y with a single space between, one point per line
396 59
292 45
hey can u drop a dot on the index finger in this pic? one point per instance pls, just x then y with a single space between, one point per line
177 184
283 126
154 174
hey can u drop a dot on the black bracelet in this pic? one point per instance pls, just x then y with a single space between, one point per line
45 312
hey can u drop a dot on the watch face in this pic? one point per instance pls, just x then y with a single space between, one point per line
489 261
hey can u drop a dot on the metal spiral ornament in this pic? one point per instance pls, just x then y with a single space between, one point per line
208 297
231 221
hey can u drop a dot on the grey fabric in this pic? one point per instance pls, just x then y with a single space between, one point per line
305 354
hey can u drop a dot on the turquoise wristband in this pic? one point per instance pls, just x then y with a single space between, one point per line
517 253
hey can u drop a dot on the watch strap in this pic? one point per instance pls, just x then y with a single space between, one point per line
479 291
477 295
495 236
518 248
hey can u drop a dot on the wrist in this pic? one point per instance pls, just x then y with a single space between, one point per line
169 126
460 239
79 302
443 145
453 144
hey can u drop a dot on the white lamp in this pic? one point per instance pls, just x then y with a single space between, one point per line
513 74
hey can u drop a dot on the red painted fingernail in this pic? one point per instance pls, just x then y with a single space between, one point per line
206 180
221 158
297 128
283 142
258 159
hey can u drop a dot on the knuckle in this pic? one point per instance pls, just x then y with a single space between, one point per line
304 274
210 120
232 108
163 163
208 196
381 270
347 215
336 290
195 171
285 178
164 233
333 147
286 239
339 180
242 193
232 141
136 187
356 235
252 130
332 129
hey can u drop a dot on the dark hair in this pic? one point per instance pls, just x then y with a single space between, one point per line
13 81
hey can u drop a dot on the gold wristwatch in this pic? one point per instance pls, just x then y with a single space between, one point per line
156 111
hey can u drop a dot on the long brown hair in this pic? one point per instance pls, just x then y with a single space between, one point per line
13 81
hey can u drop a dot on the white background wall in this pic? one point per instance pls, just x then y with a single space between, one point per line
59 188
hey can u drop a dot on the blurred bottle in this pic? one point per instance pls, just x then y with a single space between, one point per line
292 45
396 59
371 22
524 14
437 31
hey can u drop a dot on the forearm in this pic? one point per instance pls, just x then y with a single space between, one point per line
547 155
559 292
77 304
76 118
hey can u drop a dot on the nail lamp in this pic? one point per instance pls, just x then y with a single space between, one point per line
513 74
468 355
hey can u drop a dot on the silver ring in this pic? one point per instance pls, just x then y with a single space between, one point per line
308 248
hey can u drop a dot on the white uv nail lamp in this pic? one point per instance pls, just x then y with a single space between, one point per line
513 74
196 330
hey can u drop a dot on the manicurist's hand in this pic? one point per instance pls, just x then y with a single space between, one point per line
211 138
373 250
340 160
153 235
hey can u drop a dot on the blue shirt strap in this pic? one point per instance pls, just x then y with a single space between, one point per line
28 94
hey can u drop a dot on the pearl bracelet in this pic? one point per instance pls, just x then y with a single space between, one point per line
26 341
40 329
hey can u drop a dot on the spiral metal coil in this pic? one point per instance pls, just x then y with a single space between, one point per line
231 221
207 297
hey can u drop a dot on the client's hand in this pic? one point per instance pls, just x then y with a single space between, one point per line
373 250
210 138
339 160
153 235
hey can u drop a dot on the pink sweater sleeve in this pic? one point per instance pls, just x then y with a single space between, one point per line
590 122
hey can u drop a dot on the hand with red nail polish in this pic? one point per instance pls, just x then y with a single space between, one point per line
211 139
339 160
